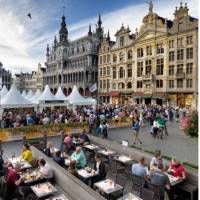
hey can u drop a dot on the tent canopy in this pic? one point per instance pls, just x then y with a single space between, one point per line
3 92
29 95
35 98
47 95
60 95
76 99
13 99
24 93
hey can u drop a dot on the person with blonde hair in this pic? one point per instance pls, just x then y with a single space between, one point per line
177 169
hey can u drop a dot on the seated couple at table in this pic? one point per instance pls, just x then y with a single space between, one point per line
50 150
69 141
157 174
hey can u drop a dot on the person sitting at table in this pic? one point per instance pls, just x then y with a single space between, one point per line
79 157
139 168
15 183
72 168
83 137
68 141
45 170
156 160
100 168
2 167
27 153
177 169
58 159
47 151
159 178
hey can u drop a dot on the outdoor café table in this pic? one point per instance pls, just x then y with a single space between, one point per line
123 159
108 187
18 160
32 176
58 197
85 174
91 147
130 197
173 180
106 152
43 189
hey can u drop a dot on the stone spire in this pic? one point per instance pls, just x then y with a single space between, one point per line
63 31
55 42
47 54
90 30
108 36
99 22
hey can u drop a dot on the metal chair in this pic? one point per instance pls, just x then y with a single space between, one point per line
137 182
156 190
146 194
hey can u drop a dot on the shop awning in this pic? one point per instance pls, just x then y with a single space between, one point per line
104 94
159 95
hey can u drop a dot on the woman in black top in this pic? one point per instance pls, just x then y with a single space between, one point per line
100 168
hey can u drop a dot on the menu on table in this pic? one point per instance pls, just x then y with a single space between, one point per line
173 180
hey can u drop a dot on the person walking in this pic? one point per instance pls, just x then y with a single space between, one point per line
136 129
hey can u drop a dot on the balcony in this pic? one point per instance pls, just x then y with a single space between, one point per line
180 75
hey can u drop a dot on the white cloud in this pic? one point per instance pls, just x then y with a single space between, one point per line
22 45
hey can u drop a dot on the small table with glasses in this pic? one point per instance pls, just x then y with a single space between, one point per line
32 176
108 187
87 173
19 161
106 152
130 196
91 147
43 189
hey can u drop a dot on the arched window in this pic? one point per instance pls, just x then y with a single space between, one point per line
121 72
130 54
114 86
121 85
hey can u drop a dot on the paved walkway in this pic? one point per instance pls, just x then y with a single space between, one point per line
175 144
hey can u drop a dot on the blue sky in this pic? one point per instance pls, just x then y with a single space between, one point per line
23 41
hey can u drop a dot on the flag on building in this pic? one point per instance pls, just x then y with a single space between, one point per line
93 88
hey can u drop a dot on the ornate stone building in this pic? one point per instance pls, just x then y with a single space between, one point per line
5 76
70 63
30 81
157 64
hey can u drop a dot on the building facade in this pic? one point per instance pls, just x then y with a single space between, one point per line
30 81
70 63
5 76
157 64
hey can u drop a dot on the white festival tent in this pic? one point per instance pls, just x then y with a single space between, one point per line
76 99
3 92
60 95
29 95
13 99
24 93
35 98
47 95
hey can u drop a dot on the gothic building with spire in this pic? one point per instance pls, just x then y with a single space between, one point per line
70 63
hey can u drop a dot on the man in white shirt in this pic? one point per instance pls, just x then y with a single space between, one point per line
45 170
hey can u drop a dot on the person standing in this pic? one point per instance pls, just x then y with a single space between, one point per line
136 129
